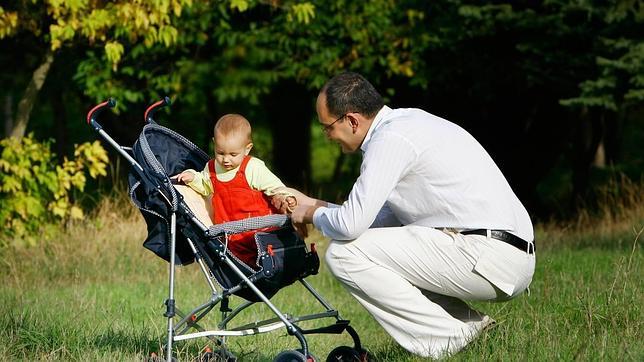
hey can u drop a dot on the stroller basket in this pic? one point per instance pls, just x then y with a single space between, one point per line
282 256
179 236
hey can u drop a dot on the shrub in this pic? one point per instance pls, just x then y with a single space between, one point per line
36 191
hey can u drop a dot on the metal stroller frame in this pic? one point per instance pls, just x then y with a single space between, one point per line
179 331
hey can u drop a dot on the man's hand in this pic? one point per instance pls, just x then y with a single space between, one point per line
301 217
302 199
301 230
285 204
291 201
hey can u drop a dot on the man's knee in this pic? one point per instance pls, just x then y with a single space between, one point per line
335 253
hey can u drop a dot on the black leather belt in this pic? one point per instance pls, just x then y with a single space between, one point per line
505 237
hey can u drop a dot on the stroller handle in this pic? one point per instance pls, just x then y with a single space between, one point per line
147 117
91 120
94 112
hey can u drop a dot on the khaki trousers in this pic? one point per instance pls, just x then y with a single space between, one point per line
412 280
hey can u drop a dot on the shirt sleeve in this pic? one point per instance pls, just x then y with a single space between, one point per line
260 178
201 182
386 161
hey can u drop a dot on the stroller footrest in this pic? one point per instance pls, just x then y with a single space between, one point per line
337 328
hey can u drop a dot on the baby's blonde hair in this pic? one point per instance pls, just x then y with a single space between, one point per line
230 125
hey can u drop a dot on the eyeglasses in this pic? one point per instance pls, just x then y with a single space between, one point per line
327 127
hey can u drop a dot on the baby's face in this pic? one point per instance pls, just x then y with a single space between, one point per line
230 150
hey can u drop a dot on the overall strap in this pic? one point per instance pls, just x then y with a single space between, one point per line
212 174
242 167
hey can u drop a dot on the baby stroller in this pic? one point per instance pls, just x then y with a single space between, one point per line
178 235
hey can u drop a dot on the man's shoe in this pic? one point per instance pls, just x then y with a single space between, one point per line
479 326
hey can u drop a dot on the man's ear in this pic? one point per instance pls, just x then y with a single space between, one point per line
354 122
249 147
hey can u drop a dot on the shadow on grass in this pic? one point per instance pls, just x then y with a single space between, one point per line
126 341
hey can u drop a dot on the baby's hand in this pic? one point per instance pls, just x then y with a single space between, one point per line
184 178
284 204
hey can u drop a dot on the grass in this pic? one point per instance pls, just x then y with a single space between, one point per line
95 294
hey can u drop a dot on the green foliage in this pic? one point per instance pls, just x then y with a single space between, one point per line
620 80
238 50
501 65
8 22
108 23
34 190
303 13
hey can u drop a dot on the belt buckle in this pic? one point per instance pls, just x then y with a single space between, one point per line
531 246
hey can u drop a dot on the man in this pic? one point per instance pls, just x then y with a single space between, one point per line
430 221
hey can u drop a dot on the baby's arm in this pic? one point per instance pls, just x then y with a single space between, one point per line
198 181
260 178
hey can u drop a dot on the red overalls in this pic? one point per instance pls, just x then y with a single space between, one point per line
236 200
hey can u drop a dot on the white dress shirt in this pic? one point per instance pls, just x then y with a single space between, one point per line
421 169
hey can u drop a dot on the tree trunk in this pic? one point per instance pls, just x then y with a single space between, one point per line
337 169
587 139
600 156
290 109
60 124
613 134
8 114
29 98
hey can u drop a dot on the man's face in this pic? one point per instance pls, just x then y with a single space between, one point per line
337 128
230 150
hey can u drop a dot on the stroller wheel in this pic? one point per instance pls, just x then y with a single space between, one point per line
348 354
293 356
218 355
365 356
156 358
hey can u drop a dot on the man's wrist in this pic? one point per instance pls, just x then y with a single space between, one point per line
308 216
320 203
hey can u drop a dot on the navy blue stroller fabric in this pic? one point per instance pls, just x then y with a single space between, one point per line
162 152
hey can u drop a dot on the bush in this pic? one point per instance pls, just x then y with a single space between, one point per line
36 191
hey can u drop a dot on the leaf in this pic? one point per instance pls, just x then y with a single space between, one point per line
59 207
76 213
8 22
303 12
240 5
114 51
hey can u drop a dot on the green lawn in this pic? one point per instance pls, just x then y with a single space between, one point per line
95 294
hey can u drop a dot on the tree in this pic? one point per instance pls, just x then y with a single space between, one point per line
261 55
532 81
55 24
518 75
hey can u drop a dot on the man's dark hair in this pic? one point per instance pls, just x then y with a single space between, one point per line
350 92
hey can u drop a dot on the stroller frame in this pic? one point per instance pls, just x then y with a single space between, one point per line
179 331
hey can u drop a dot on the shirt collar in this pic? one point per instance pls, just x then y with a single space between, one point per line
377 121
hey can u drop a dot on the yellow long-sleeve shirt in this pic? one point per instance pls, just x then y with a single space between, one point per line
258 176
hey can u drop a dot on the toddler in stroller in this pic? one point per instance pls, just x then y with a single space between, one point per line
239 186
176 234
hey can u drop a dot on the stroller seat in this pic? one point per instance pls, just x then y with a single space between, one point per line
180 231
200 205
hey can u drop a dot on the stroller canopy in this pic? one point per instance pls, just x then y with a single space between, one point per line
161 153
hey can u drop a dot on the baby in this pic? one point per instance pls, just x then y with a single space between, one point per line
241 185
